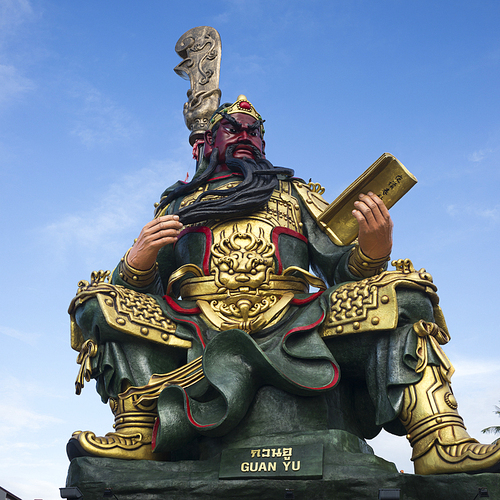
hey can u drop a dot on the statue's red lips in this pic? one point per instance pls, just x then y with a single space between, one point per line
244 148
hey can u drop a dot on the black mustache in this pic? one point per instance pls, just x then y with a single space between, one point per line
251 194
255 150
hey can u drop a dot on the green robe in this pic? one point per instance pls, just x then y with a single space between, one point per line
359 377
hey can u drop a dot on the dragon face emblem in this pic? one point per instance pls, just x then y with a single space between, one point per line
242 262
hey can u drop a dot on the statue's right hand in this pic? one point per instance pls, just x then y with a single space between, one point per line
154 235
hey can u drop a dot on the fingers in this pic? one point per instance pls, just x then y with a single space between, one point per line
360 218
162 231
375 225
380 205
165 222
372 208
154 235
372 212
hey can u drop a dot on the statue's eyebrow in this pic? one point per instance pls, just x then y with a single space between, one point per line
257 124
233 121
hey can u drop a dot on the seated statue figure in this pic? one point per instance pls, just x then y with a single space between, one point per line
211 308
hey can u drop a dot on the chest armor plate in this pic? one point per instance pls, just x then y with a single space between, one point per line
242 283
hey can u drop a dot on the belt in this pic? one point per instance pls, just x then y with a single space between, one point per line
205 288
202 287
246 308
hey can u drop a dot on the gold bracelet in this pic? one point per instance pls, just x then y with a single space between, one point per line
362 266
136 277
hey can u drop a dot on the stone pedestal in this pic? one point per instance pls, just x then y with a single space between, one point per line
280 428
350 471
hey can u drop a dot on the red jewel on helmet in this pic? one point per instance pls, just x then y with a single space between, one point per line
245 105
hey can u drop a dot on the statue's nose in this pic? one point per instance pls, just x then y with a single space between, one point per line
244 134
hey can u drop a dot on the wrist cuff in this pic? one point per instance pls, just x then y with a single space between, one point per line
136 277
363 266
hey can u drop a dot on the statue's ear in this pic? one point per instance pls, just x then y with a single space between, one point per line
209 144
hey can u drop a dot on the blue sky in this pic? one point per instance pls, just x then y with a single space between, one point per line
91 132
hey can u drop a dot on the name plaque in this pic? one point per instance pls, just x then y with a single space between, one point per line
304 461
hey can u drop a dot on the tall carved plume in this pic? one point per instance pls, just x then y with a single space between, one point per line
200 49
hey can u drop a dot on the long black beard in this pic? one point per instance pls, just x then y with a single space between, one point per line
260 179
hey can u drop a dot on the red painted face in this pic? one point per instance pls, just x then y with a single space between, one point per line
228 134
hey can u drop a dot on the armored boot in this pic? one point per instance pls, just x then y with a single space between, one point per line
441 444
131 439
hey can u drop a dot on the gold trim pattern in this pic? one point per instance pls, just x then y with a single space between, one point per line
436 431
126 310
136 277
371 305
242 290
425 409
131 439
84 293
242 264
363 266
180 273
316 187
87 352
315 205
247 108
249 313
139 315
185 377
431 333
205 288
190 198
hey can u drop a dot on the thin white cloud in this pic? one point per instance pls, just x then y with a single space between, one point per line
452 210
17 414
479 155
102 121
126 206
12 83
251 64
18 445
472 367
14 420
233 9
27 337
492 214
14 13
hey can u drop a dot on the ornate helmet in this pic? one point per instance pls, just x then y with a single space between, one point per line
242 105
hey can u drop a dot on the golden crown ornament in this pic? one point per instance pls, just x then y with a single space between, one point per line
242 105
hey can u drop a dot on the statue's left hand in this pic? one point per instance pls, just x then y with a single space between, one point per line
156 234
375 226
